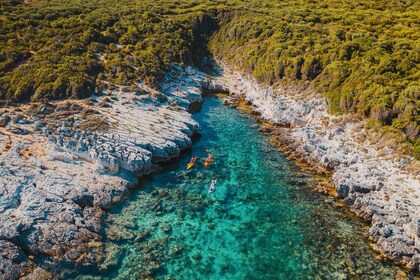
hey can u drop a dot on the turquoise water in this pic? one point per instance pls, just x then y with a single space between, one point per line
262 222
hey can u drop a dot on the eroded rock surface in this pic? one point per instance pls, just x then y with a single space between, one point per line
62 164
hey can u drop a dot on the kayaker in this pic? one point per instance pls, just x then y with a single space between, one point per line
212 186
192 162
209 160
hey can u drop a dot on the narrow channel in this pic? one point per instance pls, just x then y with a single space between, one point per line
262 222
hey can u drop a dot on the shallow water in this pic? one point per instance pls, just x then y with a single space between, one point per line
262 222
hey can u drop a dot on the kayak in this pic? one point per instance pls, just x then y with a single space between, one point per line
191 163
212 186
209 160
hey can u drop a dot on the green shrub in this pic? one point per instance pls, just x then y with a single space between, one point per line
416 149
361 55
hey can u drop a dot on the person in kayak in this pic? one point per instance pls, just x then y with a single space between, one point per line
209 160
212 186
192 162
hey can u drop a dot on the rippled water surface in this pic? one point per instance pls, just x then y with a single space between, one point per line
262 222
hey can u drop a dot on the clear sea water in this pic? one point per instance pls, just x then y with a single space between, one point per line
263 221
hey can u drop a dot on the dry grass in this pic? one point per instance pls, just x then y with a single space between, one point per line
86 112
94 123
104 103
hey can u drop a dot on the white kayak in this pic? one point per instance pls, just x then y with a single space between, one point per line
213 184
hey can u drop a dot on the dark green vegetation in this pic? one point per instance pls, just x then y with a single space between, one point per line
363 55
55 49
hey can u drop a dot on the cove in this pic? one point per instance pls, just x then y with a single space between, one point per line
263 221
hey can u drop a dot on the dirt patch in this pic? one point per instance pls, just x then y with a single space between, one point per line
7 146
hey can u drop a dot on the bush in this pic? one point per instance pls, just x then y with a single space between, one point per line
361 55
416 149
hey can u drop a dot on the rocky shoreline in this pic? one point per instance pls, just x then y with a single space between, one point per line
64 163
376 184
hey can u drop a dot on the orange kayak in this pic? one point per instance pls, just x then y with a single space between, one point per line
209 160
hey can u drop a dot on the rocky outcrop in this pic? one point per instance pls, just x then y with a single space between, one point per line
12 259
63 163
376 184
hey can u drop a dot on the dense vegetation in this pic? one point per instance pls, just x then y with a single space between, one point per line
58 49
363 54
